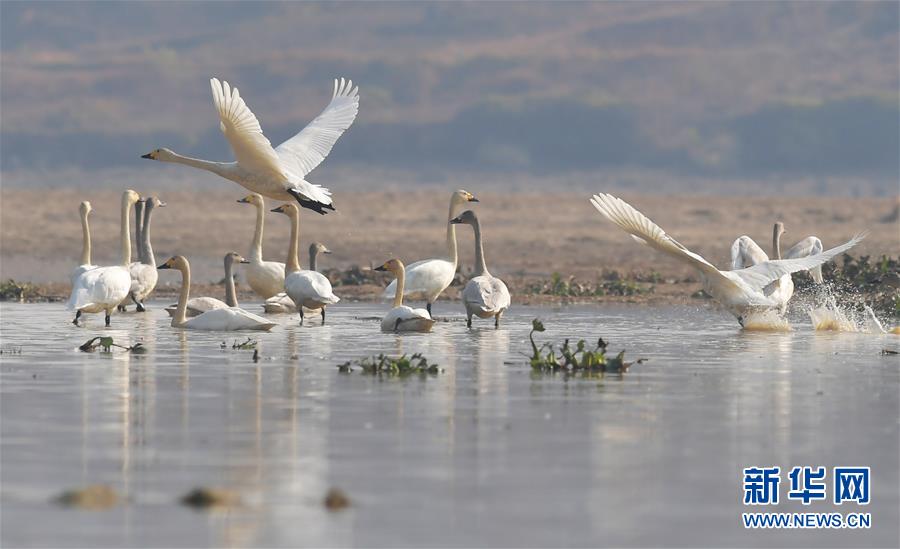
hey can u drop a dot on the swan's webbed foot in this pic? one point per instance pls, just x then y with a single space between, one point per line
300 310
741 321
121 308
140 308
323 316
428 307
107 319
77 316
317 207
469 321
497 320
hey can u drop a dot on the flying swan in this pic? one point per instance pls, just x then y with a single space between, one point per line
741 291
432 276
277 173
485 295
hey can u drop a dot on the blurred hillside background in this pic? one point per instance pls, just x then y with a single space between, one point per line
705 97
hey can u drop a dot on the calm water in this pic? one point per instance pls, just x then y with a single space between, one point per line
483 454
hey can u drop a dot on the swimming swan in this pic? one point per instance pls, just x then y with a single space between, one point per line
740 291
265 277
746 253
84 209
485 295
229 319
282 303
402 318
277 173
103 288
198 305
306 288
432 276
143 273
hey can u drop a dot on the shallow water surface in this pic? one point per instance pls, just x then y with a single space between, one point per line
483 454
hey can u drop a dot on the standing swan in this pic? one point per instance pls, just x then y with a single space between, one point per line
228 319
740 291
278 173
198 305
432 276
143 273
139 229
102 288
402 318
265 277
281 303
485 295
308 289
85 210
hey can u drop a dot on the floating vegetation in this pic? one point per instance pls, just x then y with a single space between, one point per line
574 360
11 350
336 499
609 283
205 498
95 497
889 352
106 343
402 366
10 290
248 345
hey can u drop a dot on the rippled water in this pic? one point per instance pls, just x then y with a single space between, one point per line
483 454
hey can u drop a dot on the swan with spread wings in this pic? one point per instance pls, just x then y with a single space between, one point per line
279 172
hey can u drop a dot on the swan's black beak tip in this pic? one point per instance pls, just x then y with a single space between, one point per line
379 268
147 156
245 261
473 199
163 266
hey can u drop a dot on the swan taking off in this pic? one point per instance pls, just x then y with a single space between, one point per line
402 318
278 172
741 291
485 295
308 289
747 253
228 319
198 305
265 277
103 288
432 276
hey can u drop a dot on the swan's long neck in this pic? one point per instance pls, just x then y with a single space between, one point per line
147 256
181 311
139 229
85 240
218 168
293 259
480 267
125 232
401 282
230 294
256 247
451 233
313 258
776 242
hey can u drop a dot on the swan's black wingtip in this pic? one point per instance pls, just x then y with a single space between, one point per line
313 205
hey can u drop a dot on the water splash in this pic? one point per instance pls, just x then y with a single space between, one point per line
832 317
766 321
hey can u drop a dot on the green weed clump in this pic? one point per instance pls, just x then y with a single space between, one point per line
402 366
10 290
574 360
611 283
106 344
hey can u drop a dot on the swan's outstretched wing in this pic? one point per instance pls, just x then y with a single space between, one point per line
758 276
647 232
745 253
306 150
241 128
810 245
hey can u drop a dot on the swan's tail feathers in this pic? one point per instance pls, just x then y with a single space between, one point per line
79 299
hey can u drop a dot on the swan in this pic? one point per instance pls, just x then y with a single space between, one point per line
306 288
228 319
432 276
282 303
265 277
85 210
402 318
103 288
740 291
485 295
199 305
143 273
139 229
746 253
277 173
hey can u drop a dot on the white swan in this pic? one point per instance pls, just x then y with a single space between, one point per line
741 291
432 276
485 295
198 305
102 288
402 318
746 253
84 209
266 278
277 173
306 288
228 319
143 273
282 303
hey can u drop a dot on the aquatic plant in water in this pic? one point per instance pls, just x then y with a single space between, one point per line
401 366
575 359
106 343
